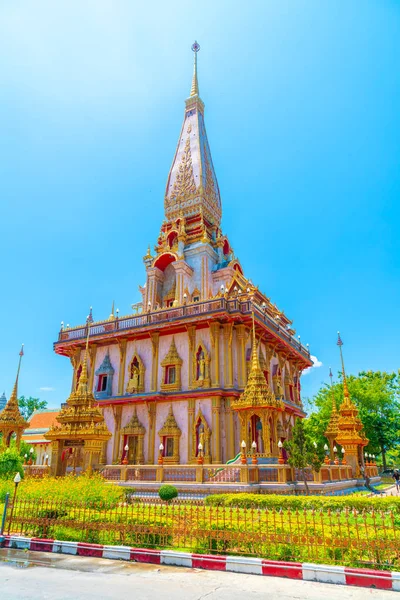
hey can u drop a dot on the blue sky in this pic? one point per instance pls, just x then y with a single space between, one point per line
302 114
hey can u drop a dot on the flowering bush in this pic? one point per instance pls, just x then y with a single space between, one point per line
277 501
90 490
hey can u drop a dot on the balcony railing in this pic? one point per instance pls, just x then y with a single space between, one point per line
189 311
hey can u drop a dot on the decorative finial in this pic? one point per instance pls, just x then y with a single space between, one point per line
112 312
345 388
254 357
83 379
90 316
195 84
14 393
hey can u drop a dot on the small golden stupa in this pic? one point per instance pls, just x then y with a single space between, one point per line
11 420
82 430
350 428
258 408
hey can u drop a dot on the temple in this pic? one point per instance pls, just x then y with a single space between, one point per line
186 372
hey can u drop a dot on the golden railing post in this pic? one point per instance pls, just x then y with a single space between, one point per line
317 476
199 473
281 473
124 473
160 473
244 473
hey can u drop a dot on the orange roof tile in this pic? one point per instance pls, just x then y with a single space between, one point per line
35 438
43 419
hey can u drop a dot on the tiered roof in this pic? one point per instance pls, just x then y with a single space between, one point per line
80 418
257 393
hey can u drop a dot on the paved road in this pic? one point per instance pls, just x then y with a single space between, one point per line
75 578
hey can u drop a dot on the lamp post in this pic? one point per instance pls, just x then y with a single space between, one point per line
46 460
160 454
326 448
281 460
200 458
25 458
336 461
243 459
253 452
17 481
30 461
343 457
125 459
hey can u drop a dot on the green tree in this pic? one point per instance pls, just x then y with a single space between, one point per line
377 397
27 406
10 464
303 452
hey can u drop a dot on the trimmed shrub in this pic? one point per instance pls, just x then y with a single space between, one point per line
276 501
167 492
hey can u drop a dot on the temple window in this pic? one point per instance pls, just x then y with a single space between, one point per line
196 299
104 374
102 383
170 374
169 436
171 369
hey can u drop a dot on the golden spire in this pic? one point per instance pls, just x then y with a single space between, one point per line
195 84
83 379
11 420
111 317
334 407
257 391
345 388
14 393
332 428
350 428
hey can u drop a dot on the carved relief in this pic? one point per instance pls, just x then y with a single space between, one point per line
201 367
184 184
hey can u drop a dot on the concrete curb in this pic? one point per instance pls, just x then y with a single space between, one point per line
383 580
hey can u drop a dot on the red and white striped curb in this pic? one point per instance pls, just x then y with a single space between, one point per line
384 580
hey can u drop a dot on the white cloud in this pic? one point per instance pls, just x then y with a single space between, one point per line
47 389
316 363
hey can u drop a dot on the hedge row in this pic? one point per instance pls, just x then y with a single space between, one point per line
276 501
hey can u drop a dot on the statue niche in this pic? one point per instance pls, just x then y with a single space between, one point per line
136 375
201 435
201 368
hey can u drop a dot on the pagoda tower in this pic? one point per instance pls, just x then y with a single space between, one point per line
350 433
186 347
3 401
332 428
258 409
80 437
11 420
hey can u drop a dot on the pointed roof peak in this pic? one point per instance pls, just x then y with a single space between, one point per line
192 183
195 84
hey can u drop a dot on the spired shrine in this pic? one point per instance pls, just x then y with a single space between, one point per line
174 373
201 383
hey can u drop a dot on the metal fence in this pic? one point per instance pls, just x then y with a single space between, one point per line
349 537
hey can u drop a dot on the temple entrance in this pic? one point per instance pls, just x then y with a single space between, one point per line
72 457
133 452
256 433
